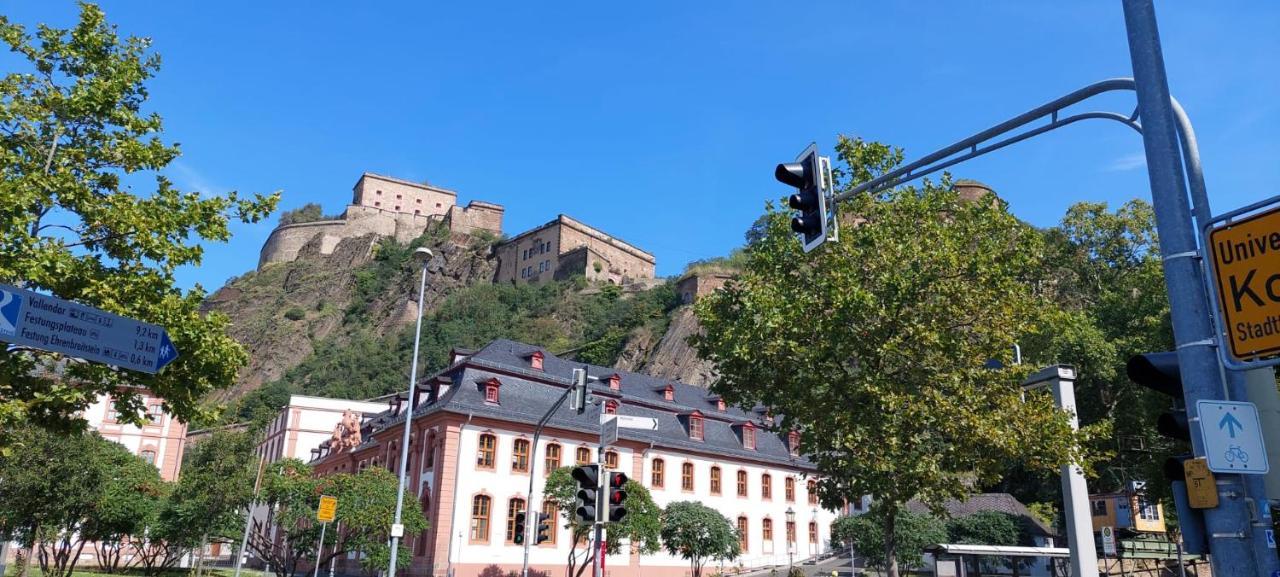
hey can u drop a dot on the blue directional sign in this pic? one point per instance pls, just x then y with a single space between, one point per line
30 319
1232 437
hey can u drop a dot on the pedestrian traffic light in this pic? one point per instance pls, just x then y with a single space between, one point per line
588 478
519 529
808 177
1160 372
544 529
616 491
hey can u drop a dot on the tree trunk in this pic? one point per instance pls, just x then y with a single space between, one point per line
24 560
890 541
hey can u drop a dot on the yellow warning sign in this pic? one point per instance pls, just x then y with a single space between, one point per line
1246 266
328 509
1202 490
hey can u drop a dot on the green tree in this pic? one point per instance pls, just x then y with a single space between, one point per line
212 495
131 499
72 128
986 528
641 527
698 534
54 490
912 533
366 508
894 323
309 212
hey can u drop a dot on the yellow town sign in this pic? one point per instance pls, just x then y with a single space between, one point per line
1246 265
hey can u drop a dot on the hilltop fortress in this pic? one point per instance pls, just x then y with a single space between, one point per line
391 207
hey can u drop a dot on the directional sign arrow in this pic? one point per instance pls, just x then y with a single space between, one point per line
1230 423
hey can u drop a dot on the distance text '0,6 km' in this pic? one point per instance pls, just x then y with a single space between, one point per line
1246 263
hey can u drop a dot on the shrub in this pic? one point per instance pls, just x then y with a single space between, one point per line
309 212
295 313
492 571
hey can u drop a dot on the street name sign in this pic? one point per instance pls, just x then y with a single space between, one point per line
1232 437
1202 489
609 431
631 422
328 509
31 319
1246 273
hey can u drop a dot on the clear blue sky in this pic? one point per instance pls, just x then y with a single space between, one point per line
660 122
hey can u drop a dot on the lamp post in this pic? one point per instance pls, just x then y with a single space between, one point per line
397 530
791 539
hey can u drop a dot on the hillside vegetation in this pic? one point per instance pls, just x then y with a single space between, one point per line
341 325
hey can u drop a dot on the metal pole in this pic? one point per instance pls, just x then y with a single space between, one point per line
597 564
337 537
319 550
408 414
1229 541
1255 485
531 529
248 518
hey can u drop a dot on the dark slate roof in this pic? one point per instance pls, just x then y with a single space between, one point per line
527 393
1001 502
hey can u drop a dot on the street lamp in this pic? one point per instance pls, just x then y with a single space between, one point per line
791 539
397 530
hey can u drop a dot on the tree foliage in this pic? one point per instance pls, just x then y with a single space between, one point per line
641 527
309 212
895 323
366 508
912 533
987 528
698 533
74 142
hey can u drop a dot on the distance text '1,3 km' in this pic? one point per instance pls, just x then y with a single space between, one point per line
1246 263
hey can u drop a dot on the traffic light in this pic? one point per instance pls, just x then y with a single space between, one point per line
1160 372
544 529
588 478
518 538
808 176
616 492
578 397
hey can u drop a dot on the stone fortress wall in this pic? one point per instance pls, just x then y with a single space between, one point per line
386 207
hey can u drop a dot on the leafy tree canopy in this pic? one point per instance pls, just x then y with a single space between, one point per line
986 528
698 533
74 142
912 533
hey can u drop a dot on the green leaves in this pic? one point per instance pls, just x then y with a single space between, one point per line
71 126
699 534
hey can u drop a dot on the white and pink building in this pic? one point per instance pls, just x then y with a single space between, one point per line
160 441
470 463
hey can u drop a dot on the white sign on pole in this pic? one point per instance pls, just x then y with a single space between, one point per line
609 432
1232 437
1108 541
630 422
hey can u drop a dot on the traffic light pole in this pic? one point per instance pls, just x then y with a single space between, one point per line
597 562
1230 540
530 511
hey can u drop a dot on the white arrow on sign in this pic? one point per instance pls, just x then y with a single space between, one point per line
630 422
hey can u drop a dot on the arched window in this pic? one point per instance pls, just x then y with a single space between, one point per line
480 518
791 532
611 460
766 528
582 456
789 489
429 460
656 475
766 486
812 488
553 457
148 455
742 483
749 436
514 507
715 480
611 407
695 427
742 534
686 476
813 532
520 456
488 447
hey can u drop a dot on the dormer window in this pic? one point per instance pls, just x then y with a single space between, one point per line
668 392
615 382
749 436
793 442
535 360
720 405
695 426
611 407
490 389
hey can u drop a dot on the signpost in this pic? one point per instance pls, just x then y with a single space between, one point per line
1202 489
1108 541
325 514
1245 268
1232 437
31 319
630 422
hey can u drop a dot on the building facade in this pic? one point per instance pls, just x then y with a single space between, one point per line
566 247
471 458
160 441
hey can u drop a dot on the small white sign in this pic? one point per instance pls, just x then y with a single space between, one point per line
1232 437
609 432
1108 541
397 530
631 422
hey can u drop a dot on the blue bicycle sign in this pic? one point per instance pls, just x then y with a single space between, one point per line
1235 453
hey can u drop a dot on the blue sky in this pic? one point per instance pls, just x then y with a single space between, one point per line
660 122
